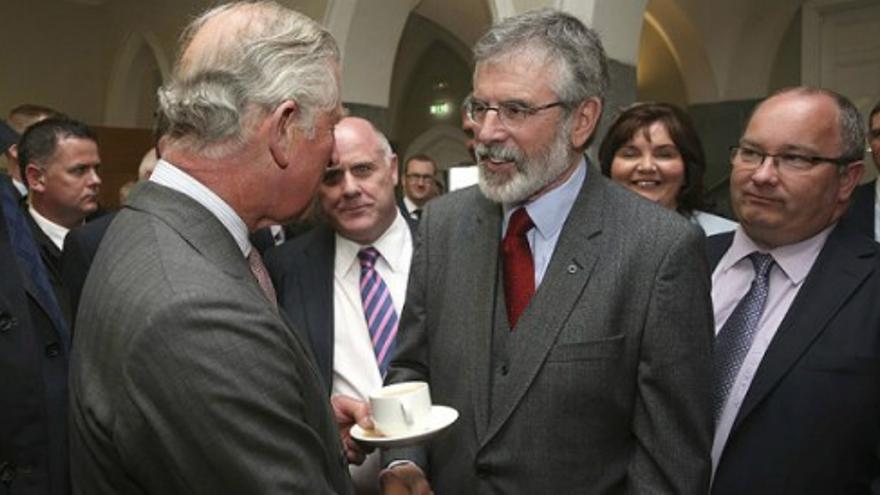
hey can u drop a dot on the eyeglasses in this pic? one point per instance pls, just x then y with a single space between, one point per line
745 157
419 177
511 114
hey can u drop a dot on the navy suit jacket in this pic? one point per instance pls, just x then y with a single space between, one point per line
80 247
302 273
33 367
859 217
810 422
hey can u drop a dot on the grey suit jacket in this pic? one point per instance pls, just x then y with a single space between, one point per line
184 378
607 385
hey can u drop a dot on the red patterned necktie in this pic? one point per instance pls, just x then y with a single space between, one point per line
519 268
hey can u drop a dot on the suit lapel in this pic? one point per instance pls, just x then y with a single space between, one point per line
837 273
483 234
316 291
569 271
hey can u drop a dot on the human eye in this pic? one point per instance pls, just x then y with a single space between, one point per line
332 176
478 109
794 161
627 152
750 155
666 153
79 170
515 111
362 170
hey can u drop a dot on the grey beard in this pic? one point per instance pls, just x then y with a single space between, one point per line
532 173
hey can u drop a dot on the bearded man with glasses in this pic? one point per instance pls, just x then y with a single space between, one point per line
797 350
565 318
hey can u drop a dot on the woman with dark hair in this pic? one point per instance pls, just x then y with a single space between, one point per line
654 150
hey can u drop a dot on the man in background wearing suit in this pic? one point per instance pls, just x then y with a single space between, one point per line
20 118
580 360
318 276
34 351
418 185
185 378
863 214
797 350
59 160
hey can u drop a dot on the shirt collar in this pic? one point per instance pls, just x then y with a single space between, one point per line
56 233
550 210
22 189
796 260
172 177
410 205
390 246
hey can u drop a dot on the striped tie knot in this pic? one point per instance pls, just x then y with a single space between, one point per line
368 257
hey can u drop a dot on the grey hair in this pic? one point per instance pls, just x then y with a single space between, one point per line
277 54
849 120
581 64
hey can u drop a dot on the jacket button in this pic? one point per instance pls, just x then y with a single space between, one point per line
7 321
483 471
504 370
53 350
7 472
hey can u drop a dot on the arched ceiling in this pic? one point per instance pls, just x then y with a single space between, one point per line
467 20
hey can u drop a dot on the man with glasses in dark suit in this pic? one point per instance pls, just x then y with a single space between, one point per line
796 390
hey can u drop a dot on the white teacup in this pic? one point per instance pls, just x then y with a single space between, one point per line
401 408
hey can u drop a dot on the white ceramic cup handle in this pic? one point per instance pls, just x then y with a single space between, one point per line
406 408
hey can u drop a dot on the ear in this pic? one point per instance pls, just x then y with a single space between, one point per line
850 177
586 119
282 129
393 165
35 177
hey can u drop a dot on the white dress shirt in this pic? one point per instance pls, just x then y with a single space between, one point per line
56 233
355 371
730 281
174 178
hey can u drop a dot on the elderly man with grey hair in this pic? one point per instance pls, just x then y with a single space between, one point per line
567 320
185 377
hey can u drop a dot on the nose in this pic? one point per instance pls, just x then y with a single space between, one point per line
349 185
491 130
766 173
94 178
645 163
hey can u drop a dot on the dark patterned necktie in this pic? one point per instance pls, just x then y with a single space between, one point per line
378 308
733 342
519 267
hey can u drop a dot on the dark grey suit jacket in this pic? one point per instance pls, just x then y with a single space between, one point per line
607 386
184 378
810 422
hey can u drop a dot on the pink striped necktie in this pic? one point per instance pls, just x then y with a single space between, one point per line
378 308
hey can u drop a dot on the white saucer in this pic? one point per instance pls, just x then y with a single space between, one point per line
441 418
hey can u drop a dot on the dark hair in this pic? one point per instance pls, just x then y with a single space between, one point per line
422 158
40 141
638 118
